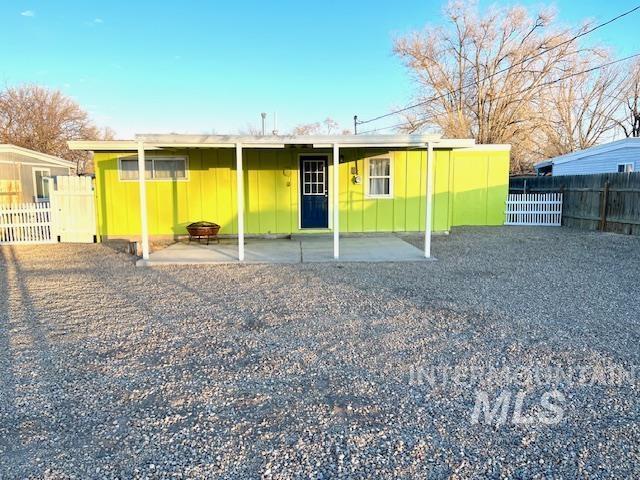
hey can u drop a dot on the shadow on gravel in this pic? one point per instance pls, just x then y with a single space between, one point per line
11 448
34 371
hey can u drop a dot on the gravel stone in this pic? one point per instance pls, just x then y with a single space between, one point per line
305 371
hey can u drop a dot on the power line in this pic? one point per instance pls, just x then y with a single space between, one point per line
545 84
424 102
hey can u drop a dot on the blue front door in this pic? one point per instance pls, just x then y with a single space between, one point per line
314 191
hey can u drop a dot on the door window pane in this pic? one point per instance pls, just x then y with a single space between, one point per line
314 177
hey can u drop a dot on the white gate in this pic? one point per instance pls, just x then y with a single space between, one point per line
26 223
73 209
544 209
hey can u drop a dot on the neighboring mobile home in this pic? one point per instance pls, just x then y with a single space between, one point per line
622 156
288 184
23 174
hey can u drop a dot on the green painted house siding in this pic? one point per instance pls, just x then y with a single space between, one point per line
470 188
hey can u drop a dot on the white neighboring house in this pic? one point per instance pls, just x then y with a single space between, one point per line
23 173
621 156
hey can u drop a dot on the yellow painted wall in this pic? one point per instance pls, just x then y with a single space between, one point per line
470 188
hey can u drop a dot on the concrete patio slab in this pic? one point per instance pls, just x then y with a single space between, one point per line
379 248
256 251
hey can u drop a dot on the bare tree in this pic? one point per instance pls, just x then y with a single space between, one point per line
252 130
629 120
307 129
483 76
581 109
328 126
44 120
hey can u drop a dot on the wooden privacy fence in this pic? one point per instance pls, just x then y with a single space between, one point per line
607 202
543 209
26 223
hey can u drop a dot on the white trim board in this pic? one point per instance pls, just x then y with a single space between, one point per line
329 157
48 159
367 177
151 158
35 185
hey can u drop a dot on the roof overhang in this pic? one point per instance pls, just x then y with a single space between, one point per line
543 164
155 142
43 157
597 149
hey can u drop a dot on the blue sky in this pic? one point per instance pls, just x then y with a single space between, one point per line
199 66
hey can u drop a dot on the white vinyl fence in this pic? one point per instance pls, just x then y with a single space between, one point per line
69 216
73 209
544 209
25 223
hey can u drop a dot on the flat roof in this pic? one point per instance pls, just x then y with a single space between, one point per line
159 141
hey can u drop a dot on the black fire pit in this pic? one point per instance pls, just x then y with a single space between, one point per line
201 230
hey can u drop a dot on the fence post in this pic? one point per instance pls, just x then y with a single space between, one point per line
562 205
603 207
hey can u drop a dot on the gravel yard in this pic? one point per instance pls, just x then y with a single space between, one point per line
313 370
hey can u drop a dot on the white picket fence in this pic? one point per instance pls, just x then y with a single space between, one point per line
543 209
26 223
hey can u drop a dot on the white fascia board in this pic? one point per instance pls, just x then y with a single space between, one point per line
49 159
215 145
263 145
288 139
36 164
106 145
322 141
442 144
370 145
489 147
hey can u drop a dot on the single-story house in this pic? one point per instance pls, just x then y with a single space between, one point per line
622 156
23 174
284 185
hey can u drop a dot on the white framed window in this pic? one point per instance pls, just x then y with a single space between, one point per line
40 185
156 168
625 167
379 182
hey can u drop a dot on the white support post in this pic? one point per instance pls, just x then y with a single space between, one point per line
336 201
429 201
142 184
240 200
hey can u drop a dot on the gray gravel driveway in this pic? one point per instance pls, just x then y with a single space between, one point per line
325 370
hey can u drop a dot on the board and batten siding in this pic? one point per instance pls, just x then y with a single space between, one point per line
470 188
604 162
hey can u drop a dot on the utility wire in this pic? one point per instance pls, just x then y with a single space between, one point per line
424 102
545 84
